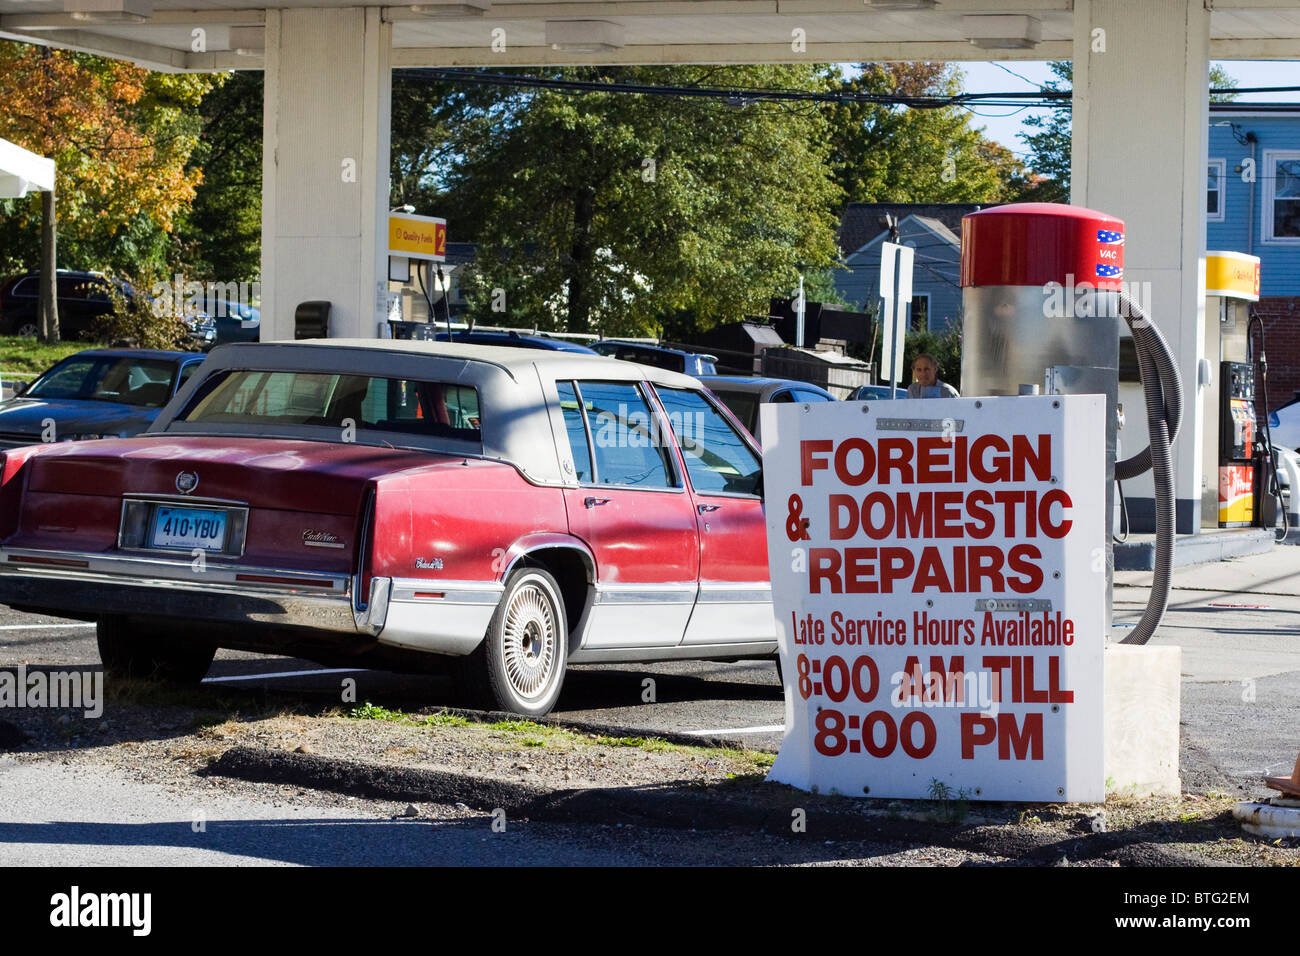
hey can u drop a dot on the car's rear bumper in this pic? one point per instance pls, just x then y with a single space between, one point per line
87 584
438 617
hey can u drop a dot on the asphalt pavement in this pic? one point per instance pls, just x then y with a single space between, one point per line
1238 623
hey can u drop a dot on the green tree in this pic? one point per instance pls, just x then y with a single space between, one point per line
219 235
1049 145
890 153
120 137
611 211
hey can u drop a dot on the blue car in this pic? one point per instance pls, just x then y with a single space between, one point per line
99 393
227 322
874 393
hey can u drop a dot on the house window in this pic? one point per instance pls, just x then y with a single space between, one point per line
920 312
1281 219
1215 189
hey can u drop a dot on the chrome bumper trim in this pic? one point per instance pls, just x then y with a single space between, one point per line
93 584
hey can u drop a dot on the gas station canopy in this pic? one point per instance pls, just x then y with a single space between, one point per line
1139 121
205 35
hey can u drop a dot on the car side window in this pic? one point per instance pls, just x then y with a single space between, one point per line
576 428
628 446
717 457
804 395
186 372
784 395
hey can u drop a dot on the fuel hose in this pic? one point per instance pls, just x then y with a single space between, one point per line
1164 401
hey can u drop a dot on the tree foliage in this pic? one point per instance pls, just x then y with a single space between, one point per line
1049 145
120 137
611 211
888 153
219 235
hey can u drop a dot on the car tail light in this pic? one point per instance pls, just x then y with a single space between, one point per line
365 554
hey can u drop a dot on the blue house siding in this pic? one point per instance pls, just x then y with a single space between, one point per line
1244 227
936 271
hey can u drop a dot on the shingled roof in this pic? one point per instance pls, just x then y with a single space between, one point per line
861 220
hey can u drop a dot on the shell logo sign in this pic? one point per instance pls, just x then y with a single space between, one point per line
1233 275
417 237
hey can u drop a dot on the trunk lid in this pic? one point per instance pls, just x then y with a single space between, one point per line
313 477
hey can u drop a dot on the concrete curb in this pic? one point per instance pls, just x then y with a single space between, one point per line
763 807
596 729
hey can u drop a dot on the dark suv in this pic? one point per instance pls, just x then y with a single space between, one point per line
675 360
83 297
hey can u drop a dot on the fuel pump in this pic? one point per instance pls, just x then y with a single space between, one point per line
1237 444
1042 292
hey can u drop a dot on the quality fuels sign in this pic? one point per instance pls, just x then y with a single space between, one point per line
939 577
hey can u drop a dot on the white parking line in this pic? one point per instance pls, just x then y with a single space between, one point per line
32 627
773 728
331 670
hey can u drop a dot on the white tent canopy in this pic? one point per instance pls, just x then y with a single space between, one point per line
22 171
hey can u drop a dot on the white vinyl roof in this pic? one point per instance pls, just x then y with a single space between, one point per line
22 172
673 31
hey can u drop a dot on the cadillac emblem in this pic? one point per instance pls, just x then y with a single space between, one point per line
187 481
320 539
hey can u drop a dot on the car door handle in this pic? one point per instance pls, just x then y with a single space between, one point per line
705 509
593 502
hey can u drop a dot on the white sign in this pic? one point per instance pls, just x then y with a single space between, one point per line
893 313
939 580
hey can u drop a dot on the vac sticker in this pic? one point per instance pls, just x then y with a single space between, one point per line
1110 254
939 597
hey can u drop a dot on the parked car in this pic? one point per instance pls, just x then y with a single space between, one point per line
99 393
514 340
875 393
234 322
675 360
743 395
82 298
1284 426
396 503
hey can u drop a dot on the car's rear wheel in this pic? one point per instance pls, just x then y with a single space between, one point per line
519 667
27 328
150 652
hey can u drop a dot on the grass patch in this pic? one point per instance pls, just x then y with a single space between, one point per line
522 726
528 733
953 805
369 711
27 358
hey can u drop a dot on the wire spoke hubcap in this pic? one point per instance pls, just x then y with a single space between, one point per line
529 642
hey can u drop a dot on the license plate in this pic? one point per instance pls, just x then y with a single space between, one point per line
188 528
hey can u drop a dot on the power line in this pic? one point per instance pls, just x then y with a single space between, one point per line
734 96
743 96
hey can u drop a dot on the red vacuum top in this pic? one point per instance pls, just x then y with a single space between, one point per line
1035 243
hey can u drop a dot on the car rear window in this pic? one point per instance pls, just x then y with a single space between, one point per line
130 381
365 403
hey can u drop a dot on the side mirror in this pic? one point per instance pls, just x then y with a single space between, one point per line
20 388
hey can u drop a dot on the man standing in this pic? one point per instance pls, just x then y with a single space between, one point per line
925 380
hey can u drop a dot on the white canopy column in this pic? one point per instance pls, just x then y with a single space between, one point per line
1141 110
22 171
326 122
